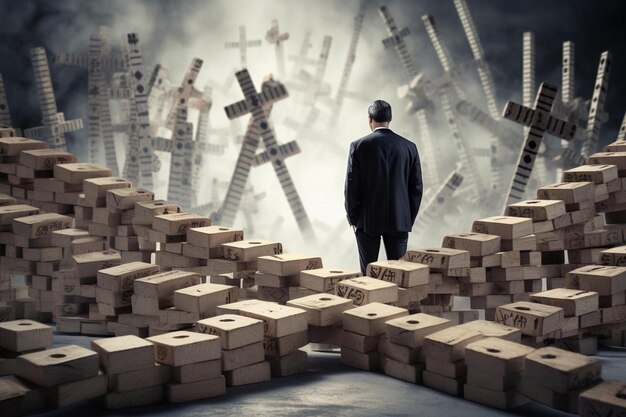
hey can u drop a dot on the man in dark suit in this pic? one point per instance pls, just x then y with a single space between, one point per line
383 188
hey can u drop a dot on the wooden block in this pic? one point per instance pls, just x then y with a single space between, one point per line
287 263
605 280
8 213
275 281
612 256
135 398
402 371
125 198
531 318
57 366
193 372
163 285
145 211
213 236
504 400
324 280
562 371
440 258
537 210
366 290
177 393
45 159
444 384
524 243
278 320
121 278
402 273
95 188
236 308
604 400
359 342
369 320
124 353
400 353
234 331
251 374
40 225
204 298
242 356
76 173
322 309
573 302
410 331
73 392
477 244
18 398
179 223
569 192
155 374
492 329
504 226
597 174
369 361
250 250
291 364
88 264
496 356
24 335
183 347
448 345
15 145
281 346
6 200
456 370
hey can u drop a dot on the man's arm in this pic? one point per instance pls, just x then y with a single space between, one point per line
352 187
416 187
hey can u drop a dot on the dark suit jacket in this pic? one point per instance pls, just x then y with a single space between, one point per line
383 188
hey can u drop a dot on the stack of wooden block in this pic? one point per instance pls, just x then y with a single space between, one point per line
557 377
278 276
446 265
194 359
77 292
170 230
114 291
245 252
401 348
242 345
285 332
18 337
134 379
495 368
512 273
609 282
413 280
362 328
66 375
111 203
580 311
153 299
324 316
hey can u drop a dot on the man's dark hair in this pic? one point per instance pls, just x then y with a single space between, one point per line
380 111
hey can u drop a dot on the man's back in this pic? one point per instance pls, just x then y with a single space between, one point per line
386 187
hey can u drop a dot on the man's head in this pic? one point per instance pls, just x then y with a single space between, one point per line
379 114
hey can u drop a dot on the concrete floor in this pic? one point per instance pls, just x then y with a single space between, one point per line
329 388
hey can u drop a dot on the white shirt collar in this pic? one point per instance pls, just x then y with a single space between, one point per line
380 127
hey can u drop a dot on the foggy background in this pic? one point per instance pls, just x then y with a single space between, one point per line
174 32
